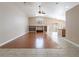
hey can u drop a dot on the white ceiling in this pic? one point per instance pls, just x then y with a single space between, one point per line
51 9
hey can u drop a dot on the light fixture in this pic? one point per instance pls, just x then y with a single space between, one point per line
40 10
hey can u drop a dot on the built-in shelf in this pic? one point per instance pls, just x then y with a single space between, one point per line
37 28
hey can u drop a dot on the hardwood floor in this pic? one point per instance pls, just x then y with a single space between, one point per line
32 40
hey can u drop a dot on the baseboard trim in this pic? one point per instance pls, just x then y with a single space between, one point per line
11 39
73 43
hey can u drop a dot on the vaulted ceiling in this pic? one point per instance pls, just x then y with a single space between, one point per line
52 9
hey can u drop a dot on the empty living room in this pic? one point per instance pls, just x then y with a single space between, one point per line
39 29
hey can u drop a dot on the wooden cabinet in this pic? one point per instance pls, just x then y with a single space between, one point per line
62 32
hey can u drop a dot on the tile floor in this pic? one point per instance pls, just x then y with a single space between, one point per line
39 52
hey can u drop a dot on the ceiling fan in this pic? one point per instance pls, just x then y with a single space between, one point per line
40 10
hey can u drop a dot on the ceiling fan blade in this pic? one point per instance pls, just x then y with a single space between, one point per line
43 12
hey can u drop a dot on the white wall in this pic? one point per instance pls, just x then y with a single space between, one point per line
72 24
13 22
33 21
